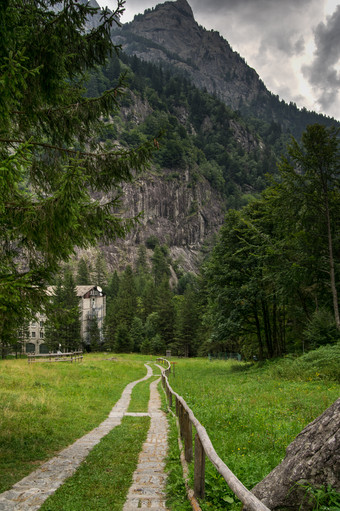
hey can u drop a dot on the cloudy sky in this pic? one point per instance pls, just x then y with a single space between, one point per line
294 45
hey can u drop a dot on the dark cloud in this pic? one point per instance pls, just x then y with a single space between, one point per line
322 73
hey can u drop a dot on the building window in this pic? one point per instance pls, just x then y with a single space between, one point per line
41 324
41 334
33 334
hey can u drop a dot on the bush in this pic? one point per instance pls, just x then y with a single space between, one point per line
145 347
322 363
157 345
321 329
152 242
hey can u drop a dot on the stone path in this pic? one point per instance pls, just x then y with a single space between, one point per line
147 490
30 493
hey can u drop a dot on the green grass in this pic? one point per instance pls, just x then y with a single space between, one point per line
46 406
140 396
175 487
250 415
103 480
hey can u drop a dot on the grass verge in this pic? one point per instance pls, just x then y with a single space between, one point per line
175 487
250 415
103 480
140 396
46 406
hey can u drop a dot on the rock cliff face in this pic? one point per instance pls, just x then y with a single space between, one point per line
172 36
180 213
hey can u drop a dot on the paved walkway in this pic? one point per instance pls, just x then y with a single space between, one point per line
30 493
147 490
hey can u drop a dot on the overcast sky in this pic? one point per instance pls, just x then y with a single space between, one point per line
294 45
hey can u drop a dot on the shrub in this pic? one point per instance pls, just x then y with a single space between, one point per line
322 363
321 329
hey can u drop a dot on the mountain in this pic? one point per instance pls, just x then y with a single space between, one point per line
222 131
169 35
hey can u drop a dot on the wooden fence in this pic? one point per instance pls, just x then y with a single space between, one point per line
203 448
72 356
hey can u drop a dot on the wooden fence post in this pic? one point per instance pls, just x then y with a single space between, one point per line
170 398
199 469
187 430
180 418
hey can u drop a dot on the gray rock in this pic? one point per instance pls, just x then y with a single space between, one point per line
312 458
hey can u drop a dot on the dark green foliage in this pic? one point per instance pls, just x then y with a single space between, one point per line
197 131
112 289
83 277
321 329
271 283
62 327
187 324
123 342
146 315
92 339
137 333
151 242
320 364
160 265
100 271
52 162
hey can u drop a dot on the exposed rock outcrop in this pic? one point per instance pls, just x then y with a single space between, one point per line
312 458
179 212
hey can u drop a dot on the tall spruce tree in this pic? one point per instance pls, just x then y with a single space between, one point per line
310 187
83 277
51 159
62 327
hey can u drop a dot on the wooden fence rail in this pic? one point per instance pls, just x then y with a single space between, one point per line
56 357
204 447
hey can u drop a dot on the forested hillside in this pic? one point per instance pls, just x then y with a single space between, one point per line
263 291
134 177
169 35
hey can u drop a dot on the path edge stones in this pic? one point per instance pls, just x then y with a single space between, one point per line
31 492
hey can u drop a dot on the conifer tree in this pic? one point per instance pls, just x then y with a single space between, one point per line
112 288
83 275
62 327
100 270
51 161
92 335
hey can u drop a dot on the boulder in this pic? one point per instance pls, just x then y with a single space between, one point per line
313 458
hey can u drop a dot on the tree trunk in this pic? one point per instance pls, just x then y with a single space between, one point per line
331 267
258 333
267 329
313 458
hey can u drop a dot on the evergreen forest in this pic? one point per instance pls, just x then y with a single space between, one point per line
269 284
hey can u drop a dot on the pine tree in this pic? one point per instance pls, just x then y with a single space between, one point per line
92 339
123 342
83 275
51 160
100 270
310 185
137 333
112 288
62 327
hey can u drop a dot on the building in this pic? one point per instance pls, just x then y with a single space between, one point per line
92 303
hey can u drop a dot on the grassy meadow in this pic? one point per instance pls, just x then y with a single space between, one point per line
251 413
46 406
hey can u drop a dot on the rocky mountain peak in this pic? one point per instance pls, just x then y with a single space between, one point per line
183 7
176 39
